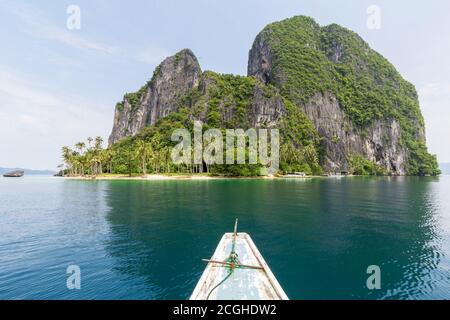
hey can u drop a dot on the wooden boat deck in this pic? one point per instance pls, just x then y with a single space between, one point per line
244 283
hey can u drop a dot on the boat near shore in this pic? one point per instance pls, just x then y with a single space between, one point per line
301 175
237 271
14 174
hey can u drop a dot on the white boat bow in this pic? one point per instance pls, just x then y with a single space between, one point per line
249 279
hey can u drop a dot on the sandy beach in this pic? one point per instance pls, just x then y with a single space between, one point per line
162 177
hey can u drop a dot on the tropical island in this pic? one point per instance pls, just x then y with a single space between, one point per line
339 107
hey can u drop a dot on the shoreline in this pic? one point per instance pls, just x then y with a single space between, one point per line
199 177
160 177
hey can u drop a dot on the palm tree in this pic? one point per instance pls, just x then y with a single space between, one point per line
95 161
108 157
78 162
130 155
144 151
81 146
68 159
311 155
89 140
156 145
167 158
61 169
98 155
98 142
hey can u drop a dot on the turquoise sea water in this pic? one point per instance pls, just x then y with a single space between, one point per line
146 239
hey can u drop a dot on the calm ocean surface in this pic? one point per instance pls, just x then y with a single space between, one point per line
146 239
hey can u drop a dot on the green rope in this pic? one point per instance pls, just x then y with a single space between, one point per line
233 264
218 285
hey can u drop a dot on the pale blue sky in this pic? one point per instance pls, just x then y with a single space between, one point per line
59 86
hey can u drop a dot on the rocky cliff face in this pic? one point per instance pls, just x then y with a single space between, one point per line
380 142
181 75
242 102
334 97
172 79
356 100
260 60
266 111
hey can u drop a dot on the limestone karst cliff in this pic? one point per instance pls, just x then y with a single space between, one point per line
173 78
339 105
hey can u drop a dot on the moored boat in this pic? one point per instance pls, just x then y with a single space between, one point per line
297 175
237 271
14 174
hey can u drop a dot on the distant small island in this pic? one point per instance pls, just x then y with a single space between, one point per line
28 171
339 106
14 174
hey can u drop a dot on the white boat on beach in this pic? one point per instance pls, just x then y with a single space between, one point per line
297 175
237 271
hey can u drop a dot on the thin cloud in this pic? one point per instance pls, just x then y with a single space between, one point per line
69 38
430 89
37 24
434 90
36 121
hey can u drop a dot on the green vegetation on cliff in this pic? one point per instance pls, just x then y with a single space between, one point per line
358 165
310 59
222 101
306 60
300 144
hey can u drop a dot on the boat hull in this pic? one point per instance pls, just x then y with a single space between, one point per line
14 174
244 283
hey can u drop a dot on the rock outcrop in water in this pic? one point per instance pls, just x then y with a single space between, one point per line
340 105
14 174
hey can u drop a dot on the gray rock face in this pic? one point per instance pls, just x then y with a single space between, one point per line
176 76
266 111
297 62
173 78
127 121
379 143
260 60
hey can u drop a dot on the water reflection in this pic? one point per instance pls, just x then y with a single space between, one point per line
318 236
